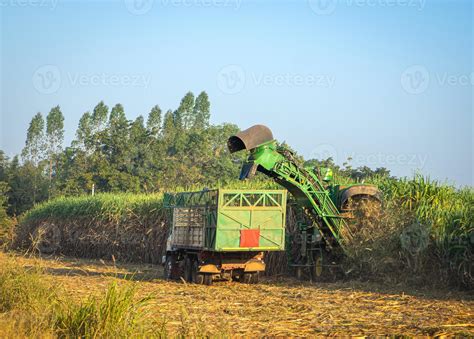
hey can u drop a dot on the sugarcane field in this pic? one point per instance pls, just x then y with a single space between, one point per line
315 180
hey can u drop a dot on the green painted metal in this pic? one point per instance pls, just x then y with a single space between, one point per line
279 163
228 212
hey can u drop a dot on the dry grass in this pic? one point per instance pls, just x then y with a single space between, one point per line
275 307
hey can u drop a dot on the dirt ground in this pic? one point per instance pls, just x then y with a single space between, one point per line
282 307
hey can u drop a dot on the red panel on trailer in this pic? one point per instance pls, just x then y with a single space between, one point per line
249 238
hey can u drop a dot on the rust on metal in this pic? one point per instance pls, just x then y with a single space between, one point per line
360 190
249 138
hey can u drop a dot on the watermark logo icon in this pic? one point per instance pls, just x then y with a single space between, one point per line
323 7
47 79
415 79
231 79
139 7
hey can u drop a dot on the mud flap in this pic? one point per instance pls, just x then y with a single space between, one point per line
254 266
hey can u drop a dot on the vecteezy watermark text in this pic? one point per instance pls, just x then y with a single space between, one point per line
327 7
388 159
378 159
106 79
140 7
50 4
48 79
232 79
235 4
416 79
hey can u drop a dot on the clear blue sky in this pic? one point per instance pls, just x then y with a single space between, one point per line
387 82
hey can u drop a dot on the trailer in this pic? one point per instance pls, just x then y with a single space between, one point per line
223 233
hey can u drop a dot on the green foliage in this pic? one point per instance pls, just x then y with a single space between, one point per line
55 130
201 111
31 306
119 314
34 146
153 123
447 211
4 188
184 115
99 117
101 207
6 223
182 150
23 289
84 132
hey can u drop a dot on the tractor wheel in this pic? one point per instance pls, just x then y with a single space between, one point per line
188 268
245 278
197 278
255 277
207 279
168 267
317 270
325 267
250 278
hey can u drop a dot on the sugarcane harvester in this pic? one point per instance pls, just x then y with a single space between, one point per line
326 205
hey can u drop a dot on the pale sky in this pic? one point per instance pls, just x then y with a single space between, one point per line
387 82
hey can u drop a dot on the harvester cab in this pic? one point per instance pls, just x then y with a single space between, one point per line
326 205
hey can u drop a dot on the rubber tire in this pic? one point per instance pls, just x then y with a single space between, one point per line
255 277
207 279
250 278
188 267
318 272
168 268
197 278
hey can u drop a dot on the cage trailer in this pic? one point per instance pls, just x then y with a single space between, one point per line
223 233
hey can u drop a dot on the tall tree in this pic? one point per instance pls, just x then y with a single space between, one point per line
34 145
4 220
99 117
169 128
54 135
84 133
201 111
118 137
118 125
153 123
139 152
27 186
117 117
184 115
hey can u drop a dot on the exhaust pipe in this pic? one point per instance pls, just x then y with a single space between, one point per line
249 138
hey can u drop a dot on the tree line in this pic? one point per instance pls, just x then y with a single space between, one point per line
110 153
177 148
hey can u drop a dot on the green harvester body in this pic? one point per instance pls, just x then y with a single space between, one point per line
322 201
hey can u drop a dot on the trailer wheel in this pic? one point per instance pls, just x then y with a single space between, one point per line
188 267
207 279
198 278
168 267
250 278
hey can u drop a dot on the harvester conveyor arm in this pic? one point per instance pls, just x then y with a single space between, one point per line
279 164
